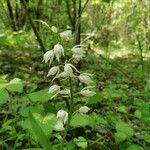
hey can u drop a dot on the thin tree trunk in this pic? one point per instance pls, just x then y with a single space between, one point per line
69 12
11 15
78 26
34 27
74 15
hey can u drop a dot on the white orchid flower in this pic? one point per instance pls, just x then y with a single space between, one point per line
53 71
78 50
78 53
48 56
66 34
59 126
62 116
58 51
62 75
54 29
65 92
68 69
54 89
86 92
84 109
85 78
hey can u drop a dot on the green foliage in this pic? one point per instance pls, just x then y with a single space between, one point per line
79 120
115 35
41 96
41 136
4 96
124 132
81 142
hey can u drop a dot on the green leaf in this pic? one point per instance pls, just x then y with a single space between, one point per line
34 149
124 132
95 99
14 85
146 137
137 114
4 96
134 147
122 109
40 96
81 142
24 111
79 120
44 141
96 119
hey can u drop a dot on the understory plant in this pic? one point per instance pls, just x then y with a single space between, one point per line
69 84
62 69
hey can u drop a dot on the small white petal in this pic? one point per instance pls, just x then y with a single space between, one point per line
62 75
58 51
59 126
87 93
53 71
65 92
68 70
78 51
62 115
54 89
84 109
85 78
48 55
66 34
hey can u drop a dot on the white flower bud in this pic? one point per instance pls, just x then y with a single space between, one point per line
62 116
54 89
65 92
49 55
78 50
53 71
68 69
85 78
78 53
84 109
58 51
66 34
87 92
59 126
54 29
62 75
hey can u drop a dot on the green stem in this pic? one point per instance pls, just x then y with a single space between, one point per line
69 114
141 54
